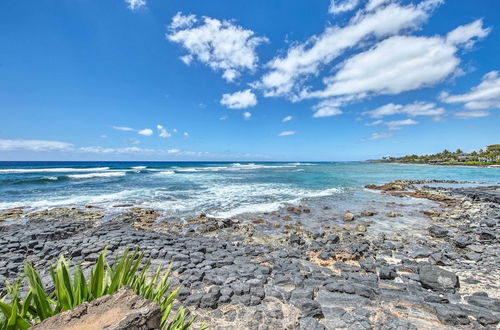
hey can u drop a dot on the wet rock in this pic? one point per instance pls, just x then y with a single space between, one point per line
294 210
348 216
361 228
11 214
438 279
368 213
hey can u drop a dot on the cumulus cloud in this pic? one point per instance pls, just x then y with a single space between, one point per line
239 100
327 108
286 133
379 135
414 109
486 95
471 114
162 131
34 145
186 134
397 124
287 118
398 64
145 132
468 34
288 73
221 45
135 4
247 115
341 6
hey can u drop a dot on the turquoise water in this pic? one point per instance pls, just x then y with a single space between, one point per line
182 189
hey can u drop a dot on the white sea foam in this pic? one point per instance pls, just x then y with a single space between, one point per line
53 178
138 167
53 170
97 175
166 172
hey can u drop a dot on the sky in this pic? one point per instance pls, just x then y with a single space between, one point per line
247 80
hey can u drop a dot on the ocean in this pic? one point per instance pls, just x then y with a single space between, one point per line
220 189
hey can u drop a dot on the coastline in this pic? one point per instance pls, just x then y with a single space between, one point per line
248 272
433 164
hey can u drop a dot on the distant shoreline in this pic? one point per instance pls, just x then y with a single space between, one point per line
437 164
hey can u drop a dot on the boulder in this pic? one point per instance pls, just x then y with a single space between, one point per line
438 279
121 310
438 232
462 241
348 216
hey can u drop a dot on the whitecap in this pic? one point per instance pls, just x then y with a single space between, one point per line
55 170
97 175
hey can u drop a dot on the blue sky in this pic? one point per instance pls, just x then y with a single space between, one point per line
258 80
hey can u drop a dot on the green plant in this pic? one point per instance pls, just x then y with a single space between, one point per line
128 270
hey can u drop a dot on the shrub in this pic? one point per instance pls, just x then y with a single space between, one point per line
128 270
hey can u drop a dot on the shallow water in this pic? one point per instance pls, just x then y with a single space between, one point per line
223 189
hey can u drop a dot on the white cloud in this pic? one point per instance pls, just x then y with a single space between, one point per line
135 4
467 34
486 95
288 74
180 21
162 131
396 124
239 100
124 129
379 135
327 108
175 130
146 132
247 115
375 123
103 136
34 145
414 109
398 64
471 114
186 134
224 117
286 133
374 4
341 6
287 118
221 45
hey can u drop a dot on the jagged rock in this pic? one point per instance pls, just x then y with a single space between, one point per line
119 311
438 279
438 232
462 241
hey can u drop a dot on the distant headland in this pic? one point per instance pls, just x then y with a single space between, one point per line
484 157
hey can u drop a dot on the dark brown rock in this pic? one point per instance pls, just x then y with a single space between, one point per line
119 311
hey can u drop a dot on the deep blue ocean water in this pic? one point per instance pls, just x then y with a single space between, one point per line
183 189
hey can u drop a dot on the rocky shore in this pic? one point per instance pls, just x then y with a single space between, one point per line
272 272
